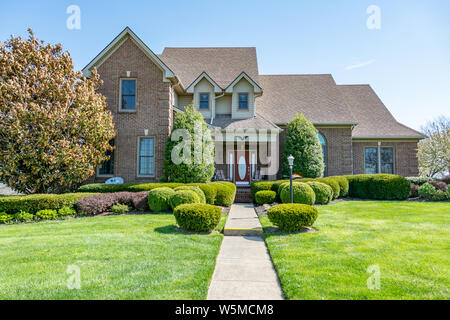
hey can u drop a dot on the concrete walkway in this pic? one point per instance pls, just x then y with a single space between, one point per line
244 270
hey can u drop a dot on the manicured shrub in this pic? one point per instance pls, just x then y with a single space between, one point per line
159 199
414 191
23 216
334 184
343 185
260 186
439 185
209 191
265 196
183 197
379 186
197 190
226 192
37 202
197 217
302 193
302 141
292 217
130 187
446 179
138 187
67 211
5 218
323 192
429 192
120 208
139 200
47 214
103 202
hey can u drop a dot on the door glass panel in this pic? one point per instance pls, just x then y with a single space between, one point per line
242 169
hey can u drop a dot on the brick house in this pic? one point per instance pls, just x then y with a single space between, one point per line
246 110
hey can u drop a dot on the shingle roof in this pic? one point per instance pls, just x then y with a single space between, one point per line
374 119
316 96
227 123
223 65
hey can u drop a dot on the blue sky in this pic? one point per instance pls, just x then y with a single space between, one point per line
407 61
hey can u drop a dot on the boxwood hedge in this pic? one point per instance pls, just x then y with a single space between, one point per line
197 217
302 193
265 196
379 187
293 216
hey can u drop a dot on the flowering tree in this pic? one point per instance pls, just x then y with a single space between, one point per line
54 128
434 151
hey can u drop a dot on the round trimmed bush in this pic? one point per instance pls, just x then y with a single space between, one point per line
261 186
301 191
265 196
414 191
334 184
197 190
183 197
343 185
226 192
67 211
439 185
197 217
47 214
158 199
293 216
209 191
323 192
120 208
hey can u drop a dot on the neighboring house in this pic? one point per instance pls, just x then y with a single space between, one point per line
145 91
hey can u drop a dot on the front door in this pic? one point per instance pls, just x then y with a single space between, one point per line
242 168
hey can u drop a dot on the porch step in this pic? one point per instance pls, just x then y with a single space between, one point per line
243 195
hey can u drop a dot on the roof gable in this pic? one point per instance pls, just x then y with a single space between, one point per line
126 34
204 75
374 119
223 65
243 75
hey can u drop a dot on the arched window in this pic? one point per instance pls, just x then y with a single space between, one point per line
323 142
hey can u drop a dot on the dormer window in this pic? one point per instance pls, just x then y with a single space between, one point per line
204 100
243 101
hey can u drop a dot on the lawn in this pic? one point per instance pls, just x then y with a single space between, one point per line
120 257
408 242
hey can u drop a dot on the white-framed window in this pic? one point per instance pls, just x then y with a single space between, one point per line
204 100
127 101
243 101
146 157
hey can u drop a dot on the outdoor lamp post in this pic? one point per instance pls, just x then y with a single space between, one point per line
291 164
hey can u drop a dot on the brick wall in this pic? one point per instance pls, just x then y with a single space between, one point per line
153 109
406 163
339 149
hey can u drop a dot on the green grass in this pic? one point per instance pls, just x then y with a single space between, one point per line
408 241
120 257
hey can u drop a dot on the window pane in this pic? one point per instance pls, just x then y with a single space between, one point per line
146 147
129 87
146 166
243 101
387 160
146 157
204 101
370 160
129 102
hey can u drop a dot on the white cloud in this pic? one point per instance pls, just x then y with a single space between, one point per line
360 65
